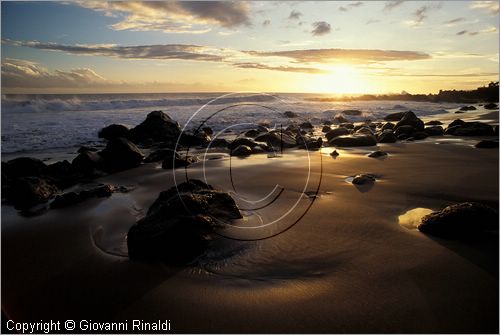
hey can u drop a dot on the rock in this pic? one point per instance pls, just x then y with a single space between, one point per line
365 130
306 125
434 130
460 221
406 130
242 141
26 192
387 136
496 130
219 143
352 112
347 125
363 179
120 154
339 118
241 150
158 155
471 129
159 127
252 133
290 114
23 167
173 160
410 119
394 116
491 105
208 131
337 132
459 112
65 200
353 141
276 140
62 174
73 198
180 222
434 123
309 143
377 154
326 129
113 131
334 153
419 135
467 108
198 139
328 123
258 150
487 144
88 161
456 122
85 149
388 125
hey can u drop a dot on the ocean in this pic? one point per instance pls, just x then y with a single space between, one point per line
34 124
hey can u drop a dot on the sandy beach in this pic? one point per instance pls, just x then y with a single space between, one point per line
348 266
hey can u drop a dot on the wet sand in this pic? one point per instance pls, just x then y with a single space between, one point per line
346 266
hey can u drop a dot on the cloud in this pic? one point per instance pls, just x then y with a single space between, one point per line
390 5
344 55
172 16
491 6
371 21
462 32
160 51
420 14
457 20
21 73
266 23
294 15
280 68
350 6
321 28
484 31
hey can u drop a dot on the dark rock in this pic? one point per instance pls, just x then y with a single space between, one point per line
419 135
456 122
410 119
328 123
73 198
121 154
65 200
326 129
352 112
495 129
334 153
339 118
276 140
158 155
180 222
460 221
290 114
354 141
407 130
85 149
198 139
434 130
347 125
472 129
113 131
241 150
309 143
491 105
242 141
365 130
26 192
173 160
487 144
208 131
252 133
434 123
159 127
219 143
388 125
88 161
23 167
336 132
394 116
306 125
377 154
363 179
467 108
62 174
387 136
459 112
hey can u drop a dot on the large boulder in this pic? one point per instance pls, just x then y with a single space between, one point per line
474 129
121 154
241 150
179 224
406 130
276 140
113 131
158 127
410 119
26 192
388 125
394 116
87 162
460 221
434 130
23 167
62 174
353 141
336 132
387 136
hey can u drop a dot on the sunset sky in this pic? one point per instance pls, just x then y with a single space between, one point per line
328 47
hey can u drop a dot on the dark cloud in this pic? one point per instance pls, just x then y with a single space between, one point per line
165 51
390 5
344 55
321 28
266 23
350 6
294 15
462 32
279 68
420 14
457 20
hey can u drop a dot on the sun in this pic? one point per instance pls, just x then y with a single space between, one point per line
341 79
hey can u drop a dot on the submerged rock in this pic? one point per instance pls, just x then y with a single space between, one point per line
334 153
180 222
363 179
460 221
172 159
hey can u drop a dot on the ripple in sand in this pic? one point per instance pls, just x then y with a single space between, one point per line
411 219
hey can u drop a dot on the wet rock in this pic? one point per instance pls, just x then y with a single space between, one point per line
252 133
337 132
410 119
26 192
353 141
326 129
433 123
113 131
276 140
173 160
394 116
208 131
406 130
467 108
121 154
387 136
290 114
365 130
339 118
180 223
352 112
241 150
419 135
159 127
23 167
460 221
388 125
62 174
219 143
377 154
309 143
306 125
456 122
73 198
158 155
434 130
459 112
363 179
334 153
491 105
87 162
242 141
328 123
197 139
347 125
487 144
471 129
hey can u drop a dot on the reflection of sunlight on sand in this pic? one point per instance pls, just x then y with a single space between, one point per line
411 219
